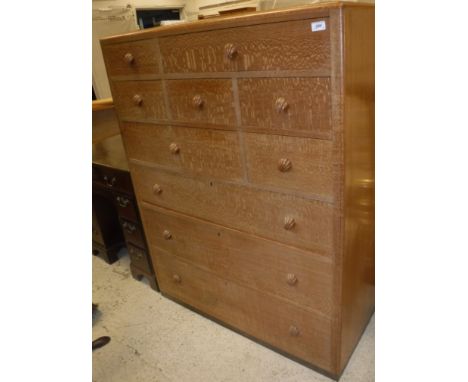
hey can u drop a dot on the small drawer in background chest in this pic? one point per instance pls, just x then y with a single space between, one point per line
126 207
139 258
133 233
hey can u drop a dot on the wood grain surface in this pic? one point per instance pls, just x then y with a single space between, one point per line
212 153
258 314
281 46
217 105
311 171
308 105
152 105
249 209
258 263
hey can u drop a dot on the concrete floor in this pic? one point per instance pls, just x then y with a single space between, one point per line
155 339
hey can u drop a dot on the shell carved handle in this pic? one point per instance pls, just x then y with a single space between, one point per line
291 279
281 105
129 59
177 279
284 164
167 234
137 100
289 223
174 148
197 101
230 51
293 330
157 189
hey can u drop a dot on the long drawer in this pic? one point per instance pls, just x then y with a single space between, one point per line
293 220
187 149
300 276
294 106
296 331
288 45
298 164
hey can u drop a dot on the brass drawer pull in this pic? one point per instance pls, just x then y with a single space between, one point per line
289 223
174 148
230 51
197 101
157 189
129 58
167 234
137 100
284 164
293 331
291 279
123 202
281 105
177 279
130 228
109 183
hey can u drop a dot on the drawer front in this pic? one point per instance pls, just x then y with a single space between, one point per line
296 221
286 326
300 276
286 105
133 233
297 164
114 179
280 46
132 58
202 101
190 150
139 258
126 207
139 100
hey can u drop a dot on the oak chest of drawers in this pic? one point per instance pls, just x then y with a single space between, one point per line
251 148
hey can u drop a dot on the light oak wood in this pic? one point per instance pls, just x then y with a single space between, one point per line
261 315
302 277
139 100
286 104
201 101
192 151
257 47
132 58
259 130
297 164
234 205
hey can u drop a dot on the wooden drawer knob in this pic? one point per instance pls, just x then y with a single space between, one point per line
174 148
167 234
129 58
284 164
197 101
176 278
230 51
157 189
289 223
137 100
291 279
293 331
281 105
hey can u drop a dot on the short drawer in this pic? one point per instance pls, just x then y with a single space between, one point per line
202 101
297 221
133 233
299 276
114 179
188 149
298 164
139 100
139 258
269 319
126 207
287 45
294 106
131 58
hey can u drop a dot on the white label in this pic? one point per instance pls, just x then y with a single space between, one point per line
318 26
